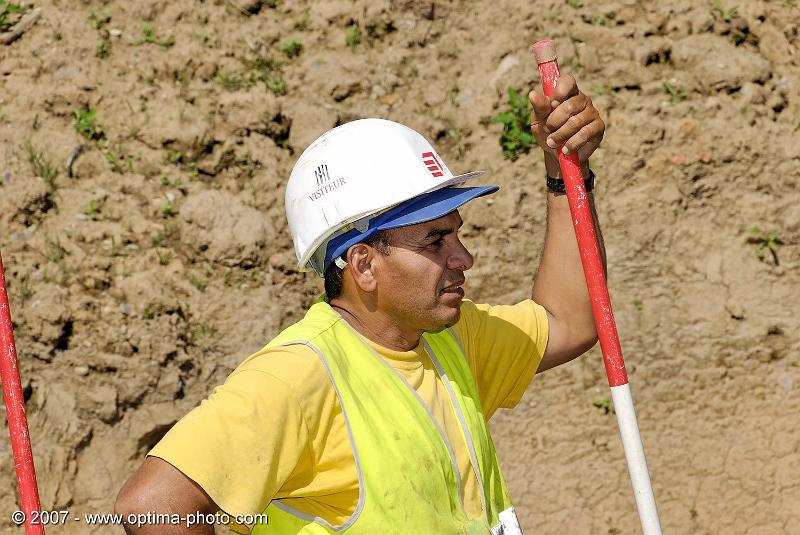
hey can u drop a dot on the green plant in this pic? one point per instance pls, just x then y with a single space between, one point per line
22 287
764 242
41 164
575 4
174 156
164 257
116 248
200 333
725 13
292 47
604 403
53 250
149 312
99 22
102 48
693 511
598 19
230 81
7 9
456 136
738 37
516 137
92 210
85 122
172 182
167 208
198 282
206 39
168 236
676 94
601 89
270 72
119 159
638 304
149 36
352 36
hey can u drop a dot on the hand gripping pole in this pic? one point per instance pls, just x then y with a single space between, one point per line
578 200
17 421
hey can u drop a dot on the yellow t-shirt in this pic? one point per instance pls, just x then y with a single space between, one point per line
275 430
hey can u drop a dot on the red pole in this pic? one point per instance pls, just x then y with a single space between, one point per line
584 231
578 200
17 421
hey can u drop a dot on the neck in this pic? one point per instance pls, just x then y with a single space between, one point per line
376 326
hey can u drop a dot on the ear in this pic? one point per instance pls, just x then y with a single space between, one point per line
361 264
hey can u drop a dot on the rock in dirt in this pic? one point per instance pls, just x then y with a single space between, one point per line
225 229
716 64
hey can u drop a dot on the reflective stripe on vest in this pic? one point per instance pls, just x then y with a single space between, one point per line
408 478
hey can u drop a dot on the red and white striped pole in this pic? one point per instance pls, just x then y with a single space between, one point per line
17 421
547 59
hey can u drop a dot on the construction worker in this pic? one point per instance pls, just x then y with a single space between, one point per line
369 415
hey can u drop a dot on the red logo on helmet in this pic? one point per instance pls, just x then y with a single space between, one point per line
432 163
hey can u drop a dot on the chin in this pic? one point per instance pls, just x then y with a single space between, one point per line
450 319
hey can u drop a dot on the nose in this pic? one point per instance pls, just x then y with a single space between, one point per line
460 258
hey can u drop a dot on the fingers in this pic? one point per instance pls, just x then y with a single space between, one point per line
565 112
566 88
569 119
587 137
565 127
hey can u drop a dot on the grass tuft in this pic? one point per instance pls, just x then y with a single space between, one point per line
516 120
352 36
764 242
720 11
8 14
676 94
149 36
41 164
85 122
292 47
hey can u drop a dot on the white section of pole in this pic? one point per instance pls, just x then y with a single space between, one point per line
637 464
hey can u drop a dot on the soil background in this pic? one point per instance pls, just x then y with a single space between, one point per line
140 281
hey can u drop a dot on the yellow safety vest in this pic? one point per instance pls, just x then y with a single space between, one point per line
407 474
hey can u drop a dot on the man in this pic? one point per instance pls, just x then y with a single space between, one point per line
370 414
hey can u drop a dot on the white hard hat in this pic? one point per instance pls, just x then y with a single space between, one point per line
357 171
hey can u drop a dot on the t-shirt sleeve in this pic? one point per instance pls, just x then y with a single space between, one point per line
242 442
504 345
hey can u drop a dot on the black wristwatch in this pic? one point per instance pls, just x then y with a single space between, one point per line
556 185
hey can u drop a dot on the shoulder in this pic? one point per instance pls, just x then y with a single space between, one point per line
292 365
526 316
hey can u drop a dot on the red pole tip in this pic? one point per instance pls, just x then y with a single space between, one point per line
545 51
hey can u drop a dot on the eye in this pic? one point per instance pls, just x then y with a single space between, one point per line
437 243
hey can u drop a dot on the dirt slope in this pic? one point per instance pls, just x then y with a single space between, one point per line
142 279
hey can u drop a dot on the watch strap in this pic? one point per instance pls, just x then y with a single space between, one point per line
556 185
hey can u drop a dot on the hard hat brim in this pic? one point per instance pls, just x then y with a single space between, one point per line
421 209
316 251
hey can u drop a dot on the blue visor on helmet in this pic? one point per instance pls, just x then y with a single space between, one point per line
420 209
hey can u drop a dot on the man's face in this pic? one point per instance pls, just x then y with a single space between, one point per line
419 282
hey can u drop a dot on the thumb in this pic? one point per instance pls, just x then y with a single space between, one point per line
541 111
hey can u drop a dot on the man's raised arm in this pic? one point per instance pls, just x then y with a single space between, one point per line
560 286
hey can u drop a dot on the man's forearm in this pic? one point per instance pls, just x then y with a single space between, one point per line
560 285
